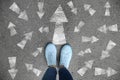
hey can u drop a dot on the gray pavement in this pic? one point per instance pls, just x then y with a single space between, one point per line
9 48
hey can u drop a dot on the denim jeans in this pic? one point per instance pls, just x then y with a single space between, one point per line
51 73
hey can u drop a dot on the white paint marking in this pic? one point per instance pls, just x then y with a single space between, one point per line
87 7
110 45
39 50
107 12
29 66
105 54
12 29
99 71
111 72
36 71
40 6
92 11
80 25
23 15
15 8
107 5
94 39
89 64
44 29
40 14
103 29
13 72
86 39
12 62
28 36
113 28
82 71
59 18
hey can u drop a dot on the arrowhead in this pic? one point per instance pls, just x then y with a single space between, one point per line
23 15
103 29
40 49
99 71
29 66
14 7
41 29
59 16
113 28
89 64
11 25
13 72
88 50
28 36
107 5
111 72
86 7
22 43
94 39
40 14
110 45
76 29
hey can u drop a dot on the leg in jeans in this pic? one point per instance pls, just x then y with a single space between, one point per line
50 54
64 74
50 74
65 58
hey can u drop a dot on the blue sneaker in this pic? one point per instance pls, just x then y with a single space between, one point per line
66 55
50 54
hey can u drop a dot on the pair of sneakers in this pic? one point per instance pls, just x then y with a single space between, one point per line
65 55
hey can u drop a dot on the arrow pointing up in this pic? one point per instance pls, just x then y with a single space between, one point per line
59 18
107 5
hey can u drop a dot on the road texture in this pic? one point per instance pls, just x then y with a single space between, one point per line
9 48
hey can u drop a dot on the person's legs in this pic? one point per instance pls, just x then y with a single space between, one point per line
50 54
50 74
65 58
64 74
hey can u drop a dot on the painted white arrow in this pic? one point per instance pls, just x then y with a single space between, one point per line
80 25
37 72
39 50
29 66
110 45
82 53
92 39
99 71
41 11
59 18
44 29
13 72
73 9
89 64
107 6
23 15
92 11
104 54
15 8
82 71
87 7
12 62
28 36
11 26
103 29
110 72
113 28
